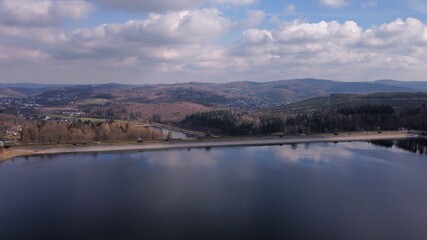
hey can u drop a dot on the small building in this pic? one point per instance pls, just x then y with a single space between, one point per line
1 144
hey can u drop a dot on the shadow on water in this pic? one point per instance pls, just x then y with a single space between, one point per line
416 145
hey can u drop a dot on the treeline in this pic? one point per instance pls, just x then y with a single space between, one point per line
52 132
362 118
8 125
368 109
223 120
411 145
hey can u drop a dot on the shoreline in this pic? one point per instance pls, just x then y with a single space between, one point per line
14 152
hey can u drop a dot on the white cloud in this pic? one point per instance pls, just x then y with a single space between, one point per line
298 32
150 5
42 12
168 5
398 35
290 8
162 42
11 53
335 50
333 3
188 46
235 2
253 18
256 36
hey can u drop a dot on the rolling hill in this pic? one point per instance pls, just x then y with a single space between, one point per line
250 94
10 93
340 101
420 86
234 94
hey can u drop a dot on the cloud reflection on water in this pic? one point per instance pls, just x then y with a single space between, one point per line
180 158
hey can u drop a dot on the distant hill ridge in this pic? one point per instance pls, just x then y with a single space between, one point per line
244 93
340 101
10 93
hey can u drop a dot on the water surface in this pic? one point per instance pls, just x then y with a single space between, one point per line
172 134
308 191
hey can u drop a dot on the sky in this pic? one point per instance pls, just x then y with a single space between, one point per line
169 41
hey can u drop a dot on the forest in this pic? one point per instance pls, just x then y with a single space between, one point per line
78 132
83 132
222 122
361 118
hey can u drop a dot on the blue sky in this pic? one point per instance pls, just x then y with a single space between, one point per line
165 41
366 13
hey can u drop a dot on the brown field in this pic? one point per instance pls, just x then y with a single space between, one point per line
6 92
168 112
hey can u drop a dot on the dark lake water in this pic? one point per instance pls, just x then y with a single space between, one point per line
316 191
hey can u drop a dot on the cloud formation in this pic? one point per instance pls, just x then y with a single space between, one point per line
201 44
42 12
149 5
290 8
161 41
167 5
333 3
333 45
253 18
235 2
